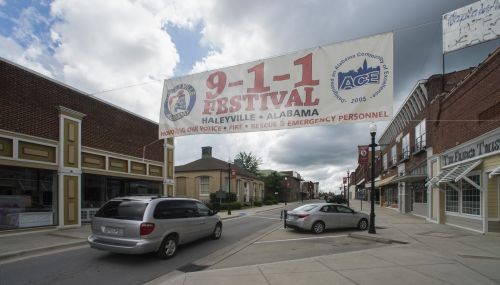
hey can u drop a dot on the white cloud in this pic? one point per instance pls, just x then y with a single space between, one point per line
110 44
28 57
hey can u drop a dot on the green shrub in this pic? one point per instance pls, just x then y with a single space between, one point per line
268 202
233 205
257 204
214 199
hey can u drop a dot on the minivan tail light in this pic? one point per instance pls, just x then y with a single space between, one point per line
301 216
147 228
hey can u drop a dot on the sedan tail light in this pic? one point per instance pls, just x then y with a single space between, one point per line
147 228
301 216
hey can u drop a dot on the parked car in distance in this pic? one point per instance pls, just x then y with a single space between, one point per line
142 224
321 216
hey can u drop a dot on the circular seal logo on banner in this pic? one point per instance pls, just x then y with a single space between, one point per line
179 101
359 77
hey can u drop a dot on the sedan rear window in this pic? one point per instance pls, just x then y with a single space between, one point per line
305 208
123 210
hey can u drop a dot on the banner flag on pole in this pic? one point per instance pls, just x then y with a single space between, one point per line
363 154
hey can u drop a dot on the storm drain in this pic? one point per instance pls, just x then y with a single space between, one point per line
191 267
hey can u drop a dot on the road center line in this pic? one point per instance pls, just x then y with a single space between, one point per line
282 240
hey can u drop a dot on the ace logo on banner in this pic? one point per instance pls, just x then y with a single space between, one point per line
340 83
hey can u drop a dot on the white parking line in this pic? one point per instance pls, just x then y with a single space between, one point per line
295 239
260 217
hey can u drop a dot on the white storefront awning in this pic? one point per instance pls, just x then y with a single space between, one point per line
495 171
455 173
360 182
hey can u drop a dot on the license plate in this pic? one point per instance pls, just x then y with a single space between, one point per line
113 231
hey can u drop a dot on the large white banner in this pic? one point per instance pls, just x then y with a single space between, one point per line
341 83
472 24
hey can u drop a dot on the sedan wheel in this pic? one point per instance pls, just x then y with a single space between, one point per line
363 224
318 227
217 232
167 248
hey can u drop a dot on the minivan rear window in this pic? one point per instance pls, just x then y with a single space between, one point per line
123 210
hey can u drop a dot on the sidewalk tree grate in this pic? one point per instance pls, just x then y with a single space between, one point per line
191 267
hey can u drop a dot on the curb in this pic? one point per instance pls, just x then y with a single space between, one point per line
40 249
376 239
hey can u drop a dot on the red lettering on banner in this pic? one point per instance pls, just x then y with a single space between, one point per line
309 94
306 63
221 105
250 98
220 84
208 107
258 79
235 104
278 102
294 99
281 77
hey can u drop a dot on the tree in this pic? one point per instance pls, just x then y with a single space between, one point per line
273 183
248 161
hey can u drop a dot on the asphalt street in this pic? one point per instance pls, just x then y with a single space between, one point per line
89 266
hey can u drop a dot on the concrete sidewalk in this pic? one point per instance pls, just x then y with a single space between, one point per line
421 253
35 241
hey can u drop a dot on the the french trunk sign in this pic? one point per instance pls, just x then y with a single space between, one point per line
341 83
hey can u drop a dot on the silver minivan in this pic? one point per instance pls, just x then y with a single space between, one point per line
140 224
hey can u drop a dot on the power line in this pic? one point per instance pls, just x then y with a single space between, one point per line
125 87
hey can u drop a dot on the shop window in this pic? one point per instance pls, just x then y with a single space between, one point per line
465 200
98 189
451 200
419 193
204 185
27 197
471 197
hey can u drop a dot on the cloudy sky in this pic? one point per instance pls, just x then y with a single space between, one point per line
120 50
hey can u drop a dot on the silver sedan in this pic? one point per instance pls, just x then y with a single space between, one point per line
321 216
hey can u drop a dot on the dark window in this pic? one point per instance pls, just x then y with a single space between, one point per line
175 209
342 209
203 210
123 210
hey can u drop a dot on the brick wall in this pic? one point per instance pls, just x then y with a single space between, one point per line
28 105
472 109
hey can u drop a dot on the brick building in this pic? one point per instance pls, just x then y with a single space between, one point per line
63 153
440 155
464 168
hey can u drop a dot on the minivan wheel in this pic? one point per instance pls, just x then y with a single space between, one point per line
363 224
318 227
168 247
217 233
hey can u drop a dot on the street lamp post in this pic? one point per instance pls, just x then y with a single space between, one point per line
348 188
286 191
373 132
229 188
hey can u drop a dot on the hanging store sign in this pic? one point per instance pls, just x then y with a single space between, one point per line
470 25
486 145
341 83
